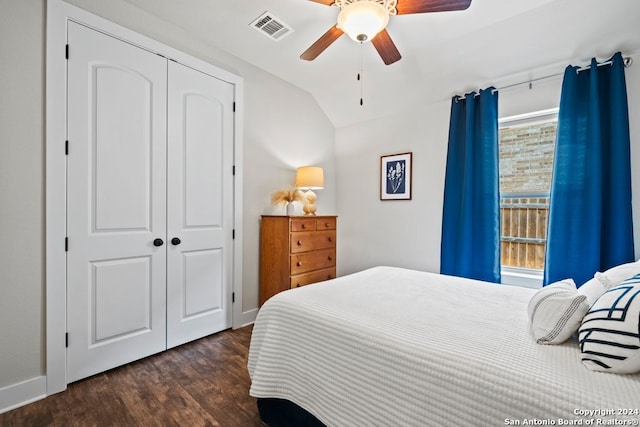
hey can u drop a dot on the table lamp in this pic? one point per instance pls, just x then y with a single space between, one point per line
310 178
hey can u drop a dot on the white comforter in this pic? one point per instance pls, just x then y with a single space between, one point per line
396 347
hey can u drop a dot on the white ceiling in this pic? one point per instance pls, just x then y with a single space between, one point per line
494 42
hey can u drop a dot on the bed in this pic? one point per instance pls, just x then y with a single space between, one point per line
396 347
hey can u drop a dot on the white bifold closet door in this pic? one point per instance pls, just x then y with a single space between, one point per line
149 203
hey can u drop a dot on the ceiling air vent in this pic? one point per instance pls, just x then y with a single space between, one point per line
271 26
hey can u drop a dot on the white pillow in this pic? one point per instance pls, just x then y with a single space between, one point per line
618 274
593 289
610 332
555 312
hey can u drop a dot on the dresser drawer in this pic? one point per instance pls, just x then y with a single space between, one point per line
309 241
309 261
305 224
325 224
313 277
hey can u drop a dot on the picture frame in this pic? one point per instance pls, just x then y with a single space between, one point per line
395 176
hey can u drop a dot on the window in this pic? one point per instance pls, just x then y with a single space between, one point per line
526 150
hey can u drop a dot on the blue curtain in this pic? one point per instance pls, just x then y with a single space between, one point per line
590 221
470 244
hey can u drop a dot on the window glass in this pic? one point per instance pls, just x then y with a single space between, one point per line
526 149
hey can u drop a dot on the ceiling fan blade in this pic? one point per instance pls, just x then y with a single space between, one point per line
406 7
327 2
385 47
321 44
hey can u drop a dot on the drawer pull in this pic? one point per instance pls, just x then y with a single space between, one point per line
330 258
298 285
329 239
304 225
299 242
326 224
328 276
298 263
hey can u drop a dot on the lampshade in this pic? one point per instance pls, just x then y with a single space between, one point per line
362 20
310 178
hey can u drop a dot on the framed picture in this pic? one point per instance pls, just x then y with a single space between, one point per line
395 177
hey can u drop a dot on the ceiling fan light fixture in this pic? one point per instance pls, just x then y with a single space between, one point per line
363 19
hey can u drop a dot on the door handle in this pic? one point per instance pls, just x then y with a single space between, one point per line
175 241
158 242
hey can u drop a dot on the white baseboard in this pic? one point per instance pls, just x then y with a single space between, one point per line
247 318
20 394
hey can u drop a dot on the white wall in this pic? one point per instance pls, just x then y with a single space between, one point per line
283 132
633 93
401 233
21 190
407 233
283 128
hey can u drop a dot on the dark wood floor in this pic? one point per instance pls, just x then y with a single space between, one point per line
203 383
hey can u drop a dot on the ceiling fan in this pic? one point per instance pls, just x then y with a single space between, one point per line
365 20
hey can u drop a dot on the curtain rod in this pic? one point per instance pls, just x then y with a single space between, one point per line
627 61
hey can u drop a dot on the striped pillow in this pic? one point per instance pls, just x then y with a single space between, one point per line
610 332
555 312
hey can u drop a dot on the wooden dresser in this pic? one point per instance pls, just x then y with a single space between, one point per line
295 251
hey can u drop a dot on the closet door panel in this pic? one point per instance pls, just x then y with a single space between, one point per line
120 286
116 203
199 210
202 142
203 282
122 141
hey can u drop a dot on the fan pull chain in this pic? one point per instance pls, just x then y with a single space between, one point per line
360 74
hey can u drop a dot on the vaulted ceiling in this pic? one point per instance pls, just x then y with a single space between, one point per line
493 42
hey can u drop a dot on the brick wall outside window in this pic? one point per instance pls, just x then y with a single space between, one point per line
526 158
526 164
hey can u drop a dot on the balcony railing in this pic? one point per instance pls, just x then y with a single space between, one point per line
523 229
